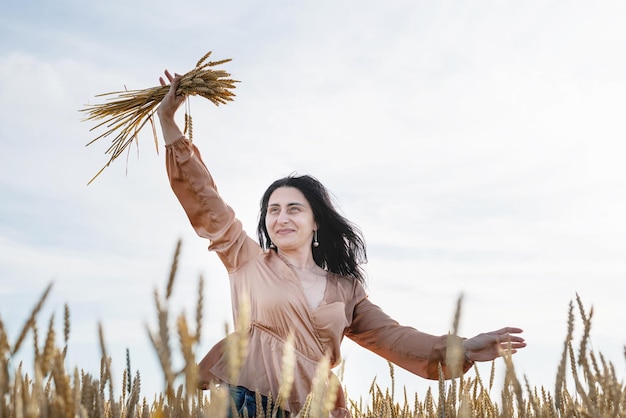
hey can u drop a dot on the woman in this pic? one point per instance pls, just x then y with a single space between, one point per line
302 283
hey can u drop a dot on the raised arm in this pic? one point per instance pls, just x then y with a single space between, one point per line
196 191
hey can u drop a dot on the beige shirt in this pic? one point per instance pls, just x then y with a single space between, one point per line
278 306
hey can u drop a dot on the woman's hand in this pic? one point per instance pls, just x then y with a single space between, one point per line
490 345
171 102
168 107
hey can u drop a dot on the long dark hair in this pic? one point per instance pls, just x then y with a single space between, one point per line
341 248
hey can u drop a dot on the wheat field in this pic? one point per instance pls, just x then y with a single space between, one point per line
52 390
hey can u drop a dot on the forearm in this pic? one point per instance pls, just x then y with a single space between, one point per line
171 130
418 352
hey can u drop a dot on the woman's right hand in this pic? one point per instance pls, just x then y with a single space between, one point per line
172 101
168 107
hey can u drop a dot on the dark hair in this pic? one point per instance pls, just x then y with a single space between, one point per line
341 248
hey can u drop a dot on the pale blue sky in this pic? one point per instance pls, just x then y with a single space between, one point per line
478 145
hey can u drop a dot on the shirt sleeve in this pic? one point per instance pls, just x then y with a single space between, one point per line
209 215
413 350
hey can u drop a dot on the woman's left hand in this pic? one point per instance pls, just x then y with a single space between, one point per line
490 345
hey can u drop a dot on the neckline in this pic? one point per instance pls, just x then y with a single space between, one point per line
297 267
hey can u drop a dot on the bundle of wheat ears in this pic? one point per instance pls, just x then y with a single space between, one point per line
129 111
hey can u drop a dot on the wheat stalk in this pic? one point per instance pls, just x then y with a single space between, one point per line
199 309
30 322
46 359
560 376
190 369
78 394
128 111
287 371
66 328
173 269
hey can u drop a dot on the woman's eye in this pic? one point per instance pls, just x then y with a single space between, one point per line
272 211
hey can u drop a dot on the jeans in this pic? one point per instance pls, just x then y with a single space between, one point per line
245 400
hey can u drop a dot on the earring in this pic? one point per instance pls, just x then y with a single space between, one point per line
315 243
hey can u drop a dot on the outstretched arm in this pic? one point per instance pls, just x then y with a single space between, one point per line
418 352
422 353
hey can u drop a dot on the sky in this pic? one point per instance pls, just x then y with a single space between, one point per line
478 145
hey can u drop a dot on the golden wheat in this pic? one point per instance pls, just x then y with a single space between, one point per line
128 111
30 322
54 392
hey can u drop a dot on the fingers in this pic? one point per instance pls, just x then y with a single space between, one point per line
173 79
173 99
169 78
513 330
509 348
505 335
512 345
507 330
490 345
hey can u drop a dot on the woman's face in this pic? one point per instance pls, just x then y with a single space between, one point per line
289 219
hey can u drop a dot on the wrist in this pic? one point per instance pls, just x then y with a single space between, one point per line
167 119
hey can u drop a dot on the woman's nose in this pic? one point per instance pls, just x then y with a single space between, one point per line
283 218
